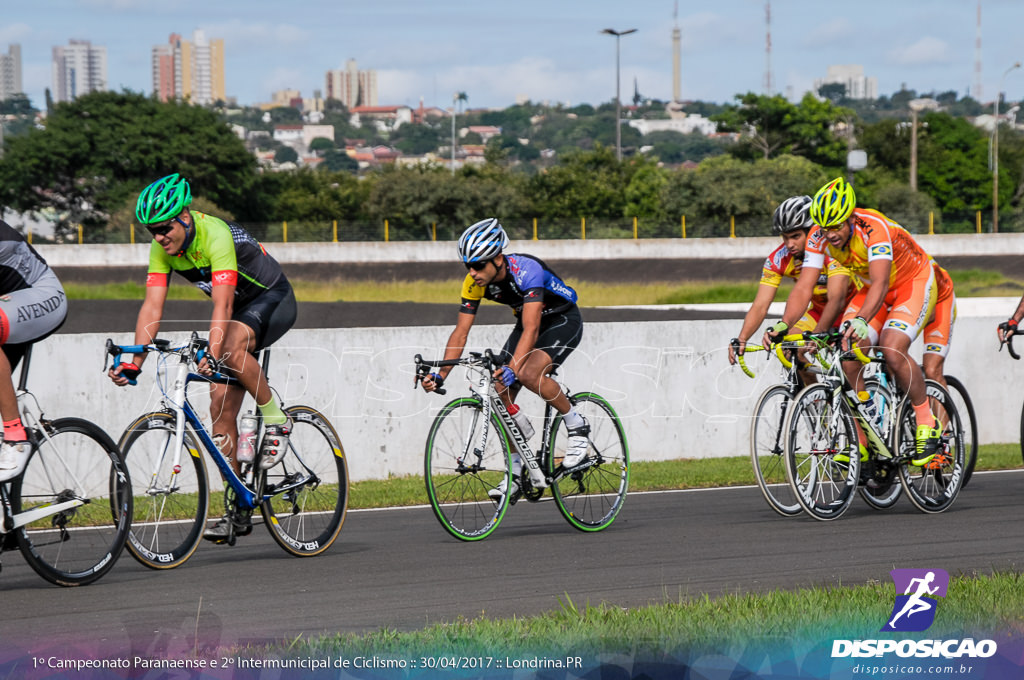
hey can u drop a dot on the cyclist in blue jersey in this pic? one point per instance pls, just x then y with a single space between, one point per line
253 306
32 305
548 328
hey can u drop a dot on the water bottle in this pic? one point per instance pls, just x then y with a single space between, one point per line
521 420
869 409
246 450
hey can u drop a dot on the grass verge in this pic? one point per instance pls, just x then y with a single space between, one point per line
980 605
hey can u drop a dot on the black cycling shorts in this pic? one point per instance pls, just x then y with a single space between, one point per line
559 335
271 314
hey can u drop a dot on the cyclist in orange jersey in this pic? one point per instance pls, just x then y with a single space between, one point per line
938 332
832 290
889 311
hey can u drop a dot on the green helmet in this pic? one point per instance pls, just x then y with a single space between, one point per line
163 199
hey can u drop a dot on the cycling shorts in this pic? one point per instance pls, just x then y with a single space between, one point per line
904 309
30 314
938 332
559 335
271 314
809 321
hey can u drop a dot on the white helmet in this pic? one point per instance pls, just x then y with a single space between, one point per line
482 241
792 214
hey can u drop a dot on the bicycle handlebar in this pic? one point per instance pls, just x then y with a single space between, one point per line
486 359
1009 346
195 350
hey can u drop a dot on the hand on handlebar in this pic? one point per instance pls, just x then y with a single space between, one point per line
1005 332
736 348
431 382
124 374
774 335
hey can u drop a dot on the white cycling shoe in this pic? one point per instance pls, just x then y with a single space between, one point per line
499 491
579 446
13 458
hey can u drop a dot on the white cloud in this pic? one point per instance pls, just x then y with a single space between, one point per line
926 51
243 36
830 33
14 33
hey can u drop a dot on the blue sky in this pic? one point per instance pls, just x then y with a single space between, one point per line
547 50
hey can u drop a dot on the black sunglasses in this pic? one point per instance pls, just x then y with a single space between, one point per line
477 266
164 229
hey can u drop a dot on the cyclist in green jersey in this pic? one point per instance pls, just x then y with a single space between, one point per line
253 306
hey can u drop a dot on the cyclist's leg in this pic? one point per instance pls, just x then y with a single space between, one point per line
26 315
556 340
938 332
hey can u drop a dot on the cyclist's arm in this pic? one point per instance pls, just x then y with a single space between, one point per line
838 289
755 316
148 323
800 296
878 272
457 341
529 317
1017 316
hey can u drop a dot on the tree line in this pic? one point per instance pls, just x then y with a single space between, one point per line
89 159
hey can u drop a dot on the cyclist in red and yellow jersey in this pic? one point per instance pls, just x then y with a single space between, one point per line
832 290
897 298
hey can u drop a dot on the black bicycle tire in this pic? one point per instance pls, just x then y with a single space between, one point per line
954 383
436 499
833 510
755 460
312 545
917 498
119 500
596 473
140 547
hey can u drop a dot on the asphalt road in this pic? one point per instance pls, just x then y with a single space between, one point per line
398 569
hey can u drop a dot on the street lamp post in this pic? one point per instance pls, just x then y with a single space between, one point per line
618 102
916 106
995 151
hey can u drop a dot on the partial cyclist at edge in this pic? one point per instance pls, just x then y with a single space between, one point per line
897 297
253 307
832 290
32 306
548 328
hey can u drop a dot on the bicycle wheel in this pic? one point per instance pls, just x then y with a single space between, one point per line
459 475
73 460
880 486
822 461
968 421
171 496
590 497
767 439
935 486
308 489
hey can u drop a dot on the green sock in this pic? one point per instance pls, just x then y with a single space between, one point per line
272 413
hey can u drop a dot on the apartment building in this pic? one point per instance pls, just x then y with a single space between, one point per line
10 72
78 68
189 69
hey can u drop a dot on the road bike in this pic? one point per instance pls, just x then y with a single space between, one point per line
768 428
767 431
303 499
823 463
469 451
69 511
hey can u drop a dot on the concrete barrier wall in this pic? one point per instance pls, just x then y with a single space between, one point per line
106 255
669 381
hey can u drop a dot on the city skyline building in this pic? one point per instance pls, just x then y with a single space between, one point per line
858 86
351 86
78 68
190 70
10 72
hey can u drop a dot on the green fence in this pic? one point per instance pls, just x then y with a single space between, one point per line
548 229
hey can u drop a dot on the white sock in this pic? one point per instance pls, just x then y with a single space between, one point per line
572 419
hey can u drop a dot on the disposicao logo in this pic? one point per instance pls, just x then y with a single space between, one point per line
914 610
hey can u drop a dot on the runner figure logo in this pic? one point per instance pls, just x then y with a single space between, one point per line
914 610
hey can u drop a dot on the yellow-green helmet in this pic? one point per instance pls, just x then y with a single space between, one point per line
163 199
833 203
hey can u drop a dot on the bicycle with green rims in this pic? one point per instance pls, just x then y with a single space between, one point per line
69 511
823 463
469 450
303 499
